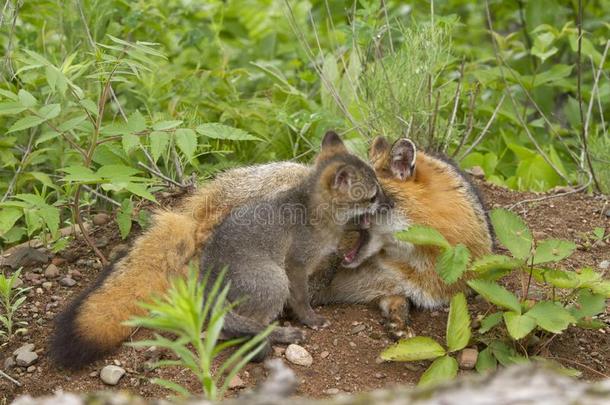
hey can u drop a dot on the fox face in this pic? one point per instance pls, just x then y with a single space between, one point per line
348 185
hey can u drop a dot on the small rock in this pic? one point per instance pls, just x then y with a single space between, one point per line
31 369
412 366
236 382
24 257
278 351
9 363
111 374
379 375
75 274
477 171
47 285
604 264
28 347
467 358
331 391
67 282
25 359
358 328
298 355
101 219
18 282
335 342
608 213
352 344
52 271
93 374
324 354
58 261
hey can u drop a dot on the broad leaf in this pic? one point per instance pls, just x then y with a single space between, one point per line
490 321
451 263
123 218
27 99
159 141
49 111
80 174
25 123
186 139
486 361
553 250
588 304
165 125
8 217
423 235
458 323
220 131
130 142
551 317
441 370
493 262
518 325
505 354
512 232
496 294
412 349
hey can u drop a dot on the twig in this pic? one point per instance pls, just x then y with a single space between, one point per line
102 196
583 127
485 129
548 197
26 153
11 379
161 175
469 121
514 102
458 91
177 165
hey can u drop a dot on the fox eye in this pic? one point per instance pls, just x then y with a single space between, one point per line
373 198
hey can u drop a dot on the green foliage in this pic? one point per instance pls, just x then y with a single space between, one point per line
189 310
11 298
576 297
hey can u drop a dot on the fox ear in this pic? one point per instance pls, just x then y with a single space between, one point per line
343 178
402 159
331 145
379 152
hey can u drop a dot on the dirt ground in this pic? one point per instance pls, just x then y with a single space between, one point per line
344 354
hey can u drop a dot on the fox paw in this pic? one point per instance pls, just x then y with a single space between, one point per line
315 321
400 333
288 335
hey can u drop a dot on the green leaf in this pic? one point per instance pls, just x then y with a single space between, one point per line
518 325
451 263
50 215
49 111
496 294
219 131
27 99
130 142
423 235
553 250
441 370
557 278
158 143
11 108
505 355
8 217
116 171
26 122
490 321
123 218
458 323
165 125
512 232
588 304
551 317
186 139
80 174
136 122
486 361
495 262
140 190
412 349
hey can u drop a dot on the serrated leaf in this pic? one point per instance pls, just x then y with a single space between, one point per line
130 142
512 232
518 325
551 316
25 123
136 122
158 144
451 263
219 131
423 235
8 217
123 218
557 278
72 123
140 190
490 321
504 354
165 125
50 215
553 250
486 361
27 99
588 304
495 262
186 139
80 174
116 171
458 323
496 294
412 349
441 370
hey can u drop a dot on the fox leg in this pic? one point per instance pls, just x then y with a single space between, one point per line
395 309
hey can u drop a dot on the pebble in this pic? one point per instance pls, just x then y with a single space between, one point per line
352 344
467 358
412 367
47 285
236 382
67 282
9 363
324 354
25 359
358 328
298 355
31 369
18 283
604 264
28 347
331 391
608 213
52 271
101 219
111 374
58 261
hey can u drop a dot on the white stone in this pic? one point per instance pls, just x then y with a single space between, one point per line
112 374
298 355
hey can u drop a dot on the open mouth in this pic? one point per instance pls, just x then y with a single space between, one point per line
361 225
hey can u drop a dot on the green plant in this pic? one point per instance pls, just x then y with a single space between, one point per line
11 298
194 312
572 297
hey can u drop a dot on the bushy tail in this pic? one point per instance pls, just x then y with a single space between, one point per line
92 325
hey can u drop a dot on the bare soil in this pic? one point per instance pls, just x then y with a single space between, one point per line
344 354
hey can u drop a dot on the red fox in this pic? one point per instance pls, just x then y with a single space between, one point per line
425 190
